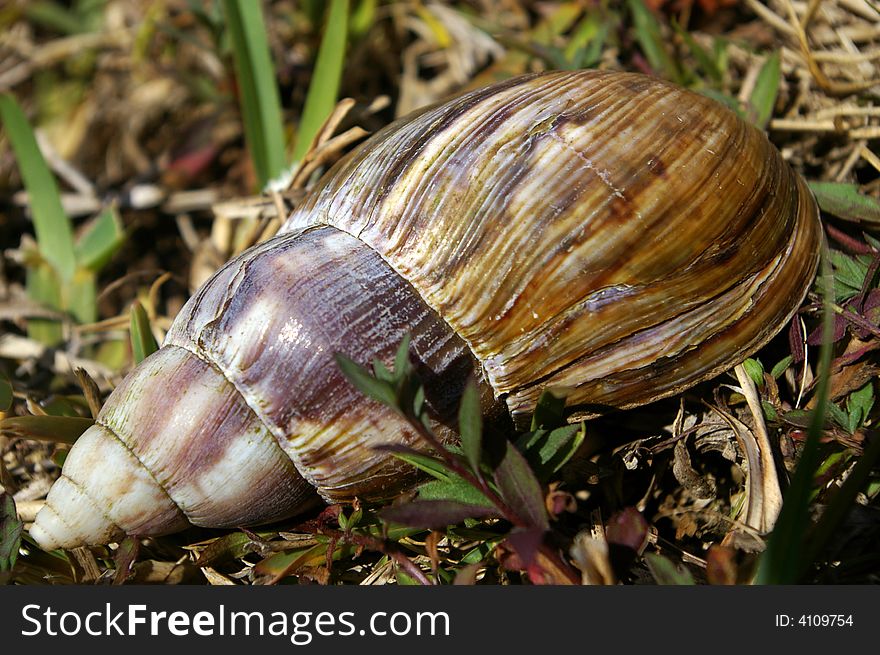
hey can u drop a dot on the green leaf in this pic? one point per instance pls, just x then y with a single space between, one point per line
434 514
837 415
590 56
665 572
381 372
849 275
403 578
781 366
858 404
5 393
755 370
769 411
52 227
61 406
379 390
324 88
547 451
402 366
258 90
651 40
434 467
419 405
520 488
100 241
844 201
763 97
313 9
454 488
65 429
550 411
470 425
143 343
11 528
480 552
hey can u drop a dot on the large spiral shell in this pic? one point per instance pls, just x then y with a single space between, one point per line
605 232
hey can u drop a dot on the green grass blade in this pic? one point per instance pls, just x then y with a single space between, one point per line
143 344
63 429
763 97
53 229
43 287
258 91
651 40
102 239
362 17
784 561
323 90
582 35
82 296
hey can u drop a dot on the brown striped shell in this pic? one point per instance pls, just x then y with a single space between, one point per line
605 232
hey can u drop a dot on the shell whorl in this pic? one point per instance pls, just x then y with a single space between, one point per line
242 415
605 232
586 229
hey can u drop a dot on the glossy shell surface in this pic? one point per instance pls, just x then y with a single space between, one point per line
604 232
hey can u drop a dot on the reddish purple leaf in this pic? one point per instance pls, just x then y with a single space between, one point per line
798 353
815 338
525 543
872 302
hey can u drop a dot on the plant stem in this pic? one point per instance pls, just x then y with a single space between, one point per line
464 472
857 320
480 483
382 546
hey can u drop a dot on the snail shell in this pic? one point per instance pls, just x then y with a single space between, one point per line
605 232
